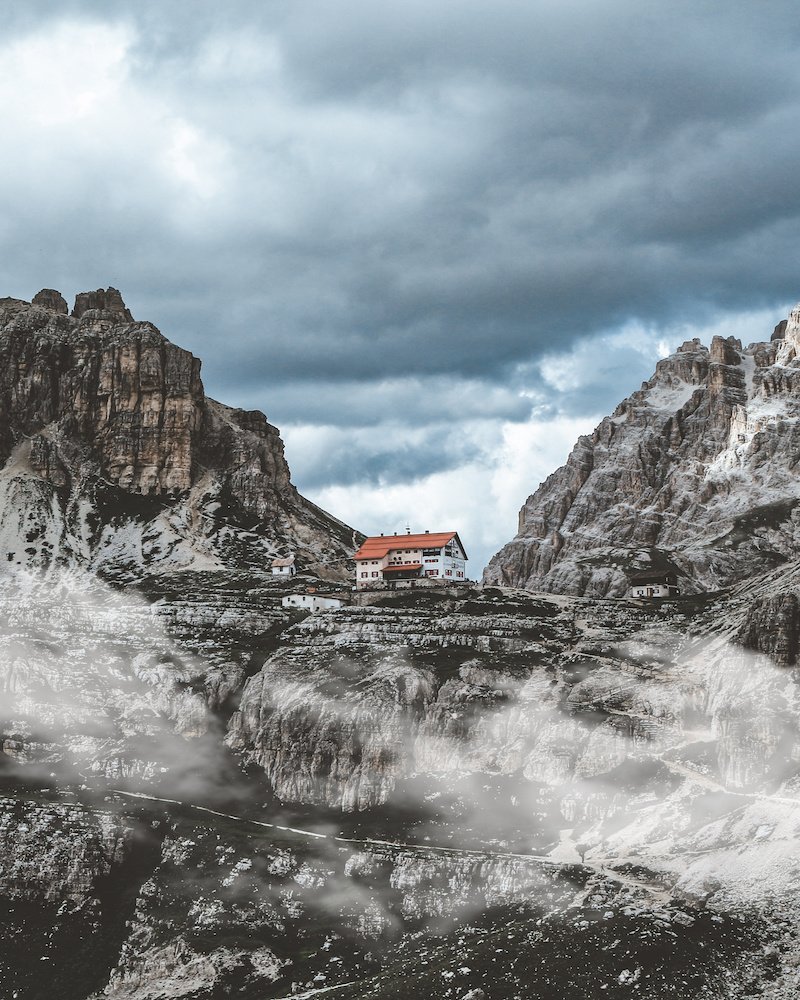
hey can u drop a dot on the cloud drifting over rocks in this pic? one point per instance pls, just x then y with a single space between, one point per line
409 220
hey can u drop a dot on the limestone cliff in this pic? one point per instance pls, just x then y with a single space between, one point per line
354 705
697 471
113 457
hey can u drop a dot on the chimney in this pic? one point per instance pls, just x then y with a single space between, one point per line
427 532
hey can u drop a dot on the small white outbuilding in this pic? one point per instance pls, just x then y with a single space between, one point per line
311 602
283 566
654 585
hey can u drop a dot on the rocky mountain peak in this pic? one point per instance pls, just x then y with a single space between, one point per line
50 299
696 472
94 402
792 329
780 330
725 351
103 303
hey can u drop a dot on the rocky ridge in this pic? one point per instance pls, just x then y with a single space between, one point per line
113 458
696 472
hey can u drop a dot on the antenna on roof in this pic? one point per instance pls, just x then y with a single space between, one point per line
408 529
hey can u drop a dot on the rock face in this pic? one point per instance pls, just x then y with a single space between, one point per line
68 882
696 472
227 909
473 747
103 420
94 686
773 627
356 705
552 727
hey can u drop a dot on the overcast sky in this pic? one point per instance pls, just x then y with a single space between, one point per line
433 241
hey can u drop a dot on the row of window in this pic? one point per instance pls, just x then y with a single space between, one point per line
428 572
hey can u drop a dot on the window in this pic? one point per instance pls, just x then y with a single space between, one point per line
431 572
375 573
448 572
364 575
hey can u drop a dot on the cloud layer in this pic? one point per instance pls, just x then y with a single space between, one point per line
417 226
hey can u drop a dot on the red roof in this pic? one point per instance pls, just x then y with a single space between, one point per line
399 567
377 546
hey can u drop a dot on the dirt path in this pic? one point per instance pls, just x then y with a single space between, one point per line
594 864
318 992
715 786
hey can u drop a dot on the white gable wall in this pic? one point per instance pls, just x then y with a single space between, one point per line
653 590
311 602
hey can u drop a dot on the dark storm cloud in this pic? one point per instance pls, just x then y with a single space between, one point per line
360 214
448 187
393 456
415 401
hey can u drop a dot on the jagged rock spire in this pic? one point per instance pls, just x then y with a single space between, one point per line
106 302
696 471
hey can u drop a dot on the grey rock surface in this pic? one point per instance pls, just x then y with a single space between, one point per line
696 472
113 458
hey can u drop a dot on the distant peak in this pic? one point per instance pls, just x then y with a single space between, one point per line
106 300
690 346
725 350
780 330
49 298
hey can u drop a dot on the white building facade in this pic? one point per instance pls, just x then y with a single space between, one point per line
283 567
311 602
400 560
654 585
